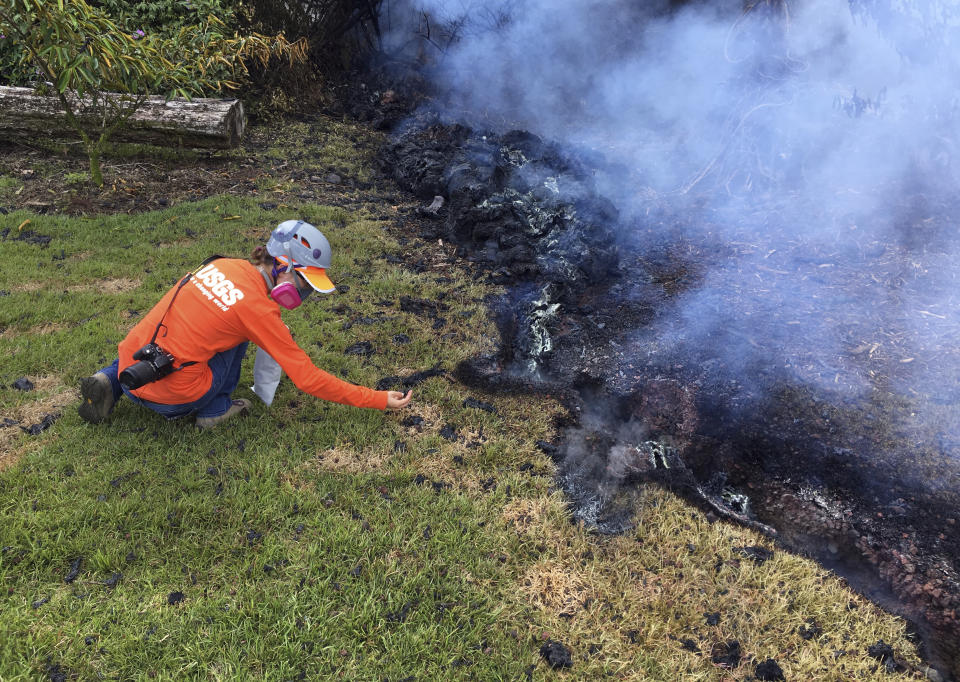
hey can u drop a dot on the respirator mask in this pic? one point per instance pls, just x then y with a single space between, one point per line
288 294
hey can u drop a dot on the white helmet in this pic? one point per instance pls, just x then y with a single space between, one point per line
301 241
306 246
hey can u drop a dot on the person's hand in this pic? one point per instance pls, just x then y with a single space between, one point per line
396 399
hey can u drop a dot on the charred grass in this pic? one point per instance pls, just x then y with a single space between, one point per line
316 541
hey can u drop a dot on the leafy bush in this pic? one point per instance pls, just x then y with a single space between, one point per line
166 16
12 69
163 17
102 74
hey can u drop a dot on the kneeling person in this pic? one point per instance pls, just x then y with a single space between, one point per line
185 355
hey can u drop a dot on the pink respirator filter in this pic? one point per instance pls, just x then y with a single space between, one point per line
286 294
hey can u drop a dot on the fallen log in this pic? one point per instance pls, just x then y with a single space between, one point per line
199 122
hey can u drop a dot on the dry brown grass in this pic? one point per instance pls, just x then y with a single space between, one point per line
107 286
555 587
39 330
340 459
55 397
642 599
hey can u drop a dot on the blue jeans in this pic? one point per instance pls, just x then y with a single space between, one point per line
225 367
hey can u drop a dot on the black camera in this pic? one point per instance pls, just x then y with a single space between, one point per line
153 363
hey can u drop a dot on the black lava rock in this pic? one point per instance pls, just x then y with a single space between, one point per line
420 306
45 423
74 570
810 630
479 405
401 615
420 377
57 674
726 654
175 598
549 449
388 383
769 670
556 654
23 384
449 432
362 348
881 651
712 618
755 554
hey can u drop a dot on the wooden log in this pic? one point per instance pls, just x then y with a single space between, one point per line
200 122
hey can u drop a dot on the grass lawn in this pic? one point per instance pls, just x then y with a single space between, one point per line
317 541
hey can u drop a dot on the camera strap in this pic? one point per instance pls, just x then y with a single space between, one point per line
186 279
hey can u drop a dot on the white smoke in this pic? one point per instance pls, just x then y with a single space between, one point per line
816 141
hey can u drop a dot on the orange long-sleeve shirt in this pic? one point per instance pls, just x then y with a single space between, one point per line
224 304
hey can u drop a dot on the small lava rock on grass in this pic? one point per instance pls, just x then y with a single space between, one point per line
175 598
449 432
810 630
23 384
57 674
883 652
726 654
45 423
479 405
755 554
556 654
769 670
74 570
419 377
391 382
362 348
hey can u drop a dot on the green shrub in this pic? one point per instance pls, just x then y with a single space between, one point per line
166 16
12 69
102 74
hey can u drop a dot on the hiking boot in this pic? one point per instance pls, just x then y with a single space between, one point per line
97 394
238 407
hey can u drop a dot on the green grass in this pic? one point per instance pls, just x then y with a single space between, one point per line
309 538
287 563
340 146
